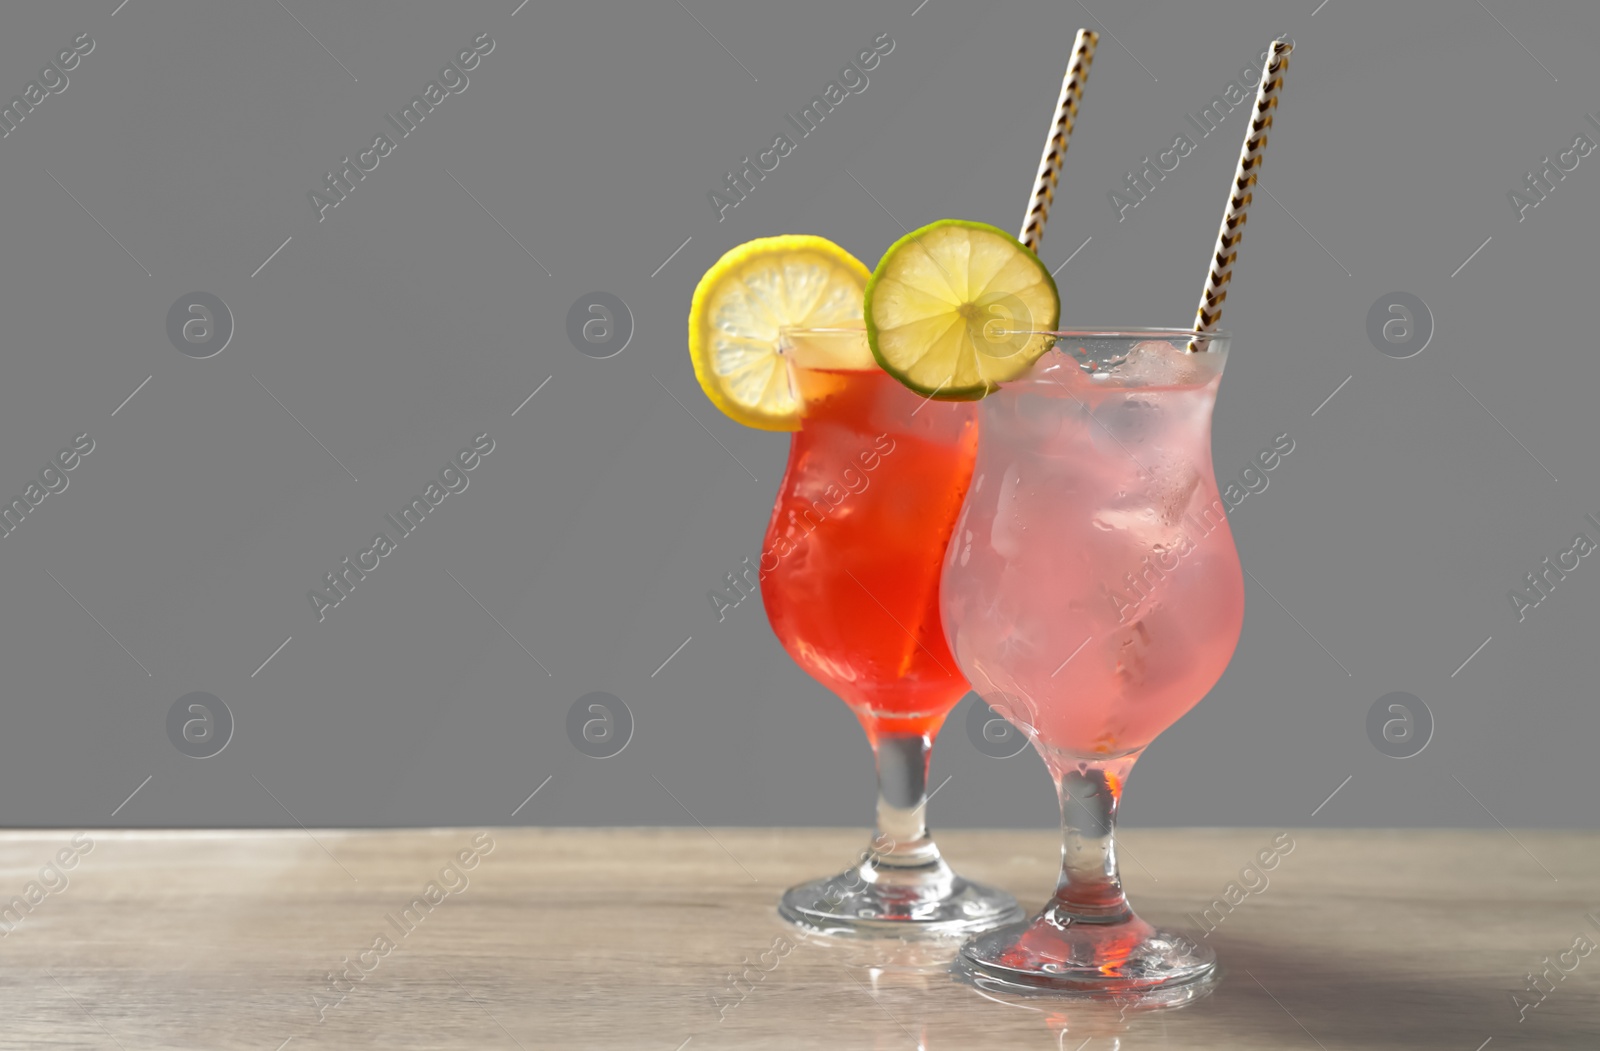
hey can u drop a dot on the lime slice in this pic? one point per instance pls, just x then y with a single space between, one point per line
953 309
766 306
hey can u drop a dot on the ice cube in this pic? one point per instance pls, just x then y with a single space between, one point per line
1005 532
1039 416
1157 363
1151 513
1172 492
1136 519
1123 421
1062 377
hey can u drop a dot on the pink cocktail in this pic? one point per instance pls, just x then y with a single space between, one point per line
1092 594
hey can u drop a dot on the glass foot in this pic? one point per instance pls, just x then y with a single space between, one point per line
906 901
1062 953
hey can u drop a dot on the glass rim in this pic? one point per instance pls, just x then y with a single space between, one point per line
1120 332
1133 332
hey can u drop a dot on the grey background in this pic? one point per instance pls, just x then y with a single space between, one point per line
415 317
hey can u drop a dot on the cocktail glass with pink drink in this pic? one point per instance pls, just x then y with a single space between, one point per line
1091 592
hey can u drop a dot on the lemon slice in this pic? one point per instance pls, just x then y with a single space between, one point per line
770 304
953 308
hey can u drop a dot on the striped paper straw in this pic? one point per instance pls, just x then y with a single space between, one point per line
1244 178
1044 184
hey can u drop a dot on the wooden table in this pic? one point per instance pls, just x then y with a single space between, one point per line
623 938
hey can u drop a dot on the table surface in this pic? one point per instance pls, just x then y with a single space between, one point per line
627 938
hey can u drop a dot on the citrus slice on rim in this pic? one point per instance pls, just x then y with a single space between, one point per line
766 305
955 308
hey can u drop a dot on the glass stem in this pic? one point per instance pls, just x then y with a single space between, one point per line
902 839
1090 887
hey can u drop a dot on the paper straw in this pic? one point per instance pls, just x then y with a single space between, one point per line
1244 177
1044 184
